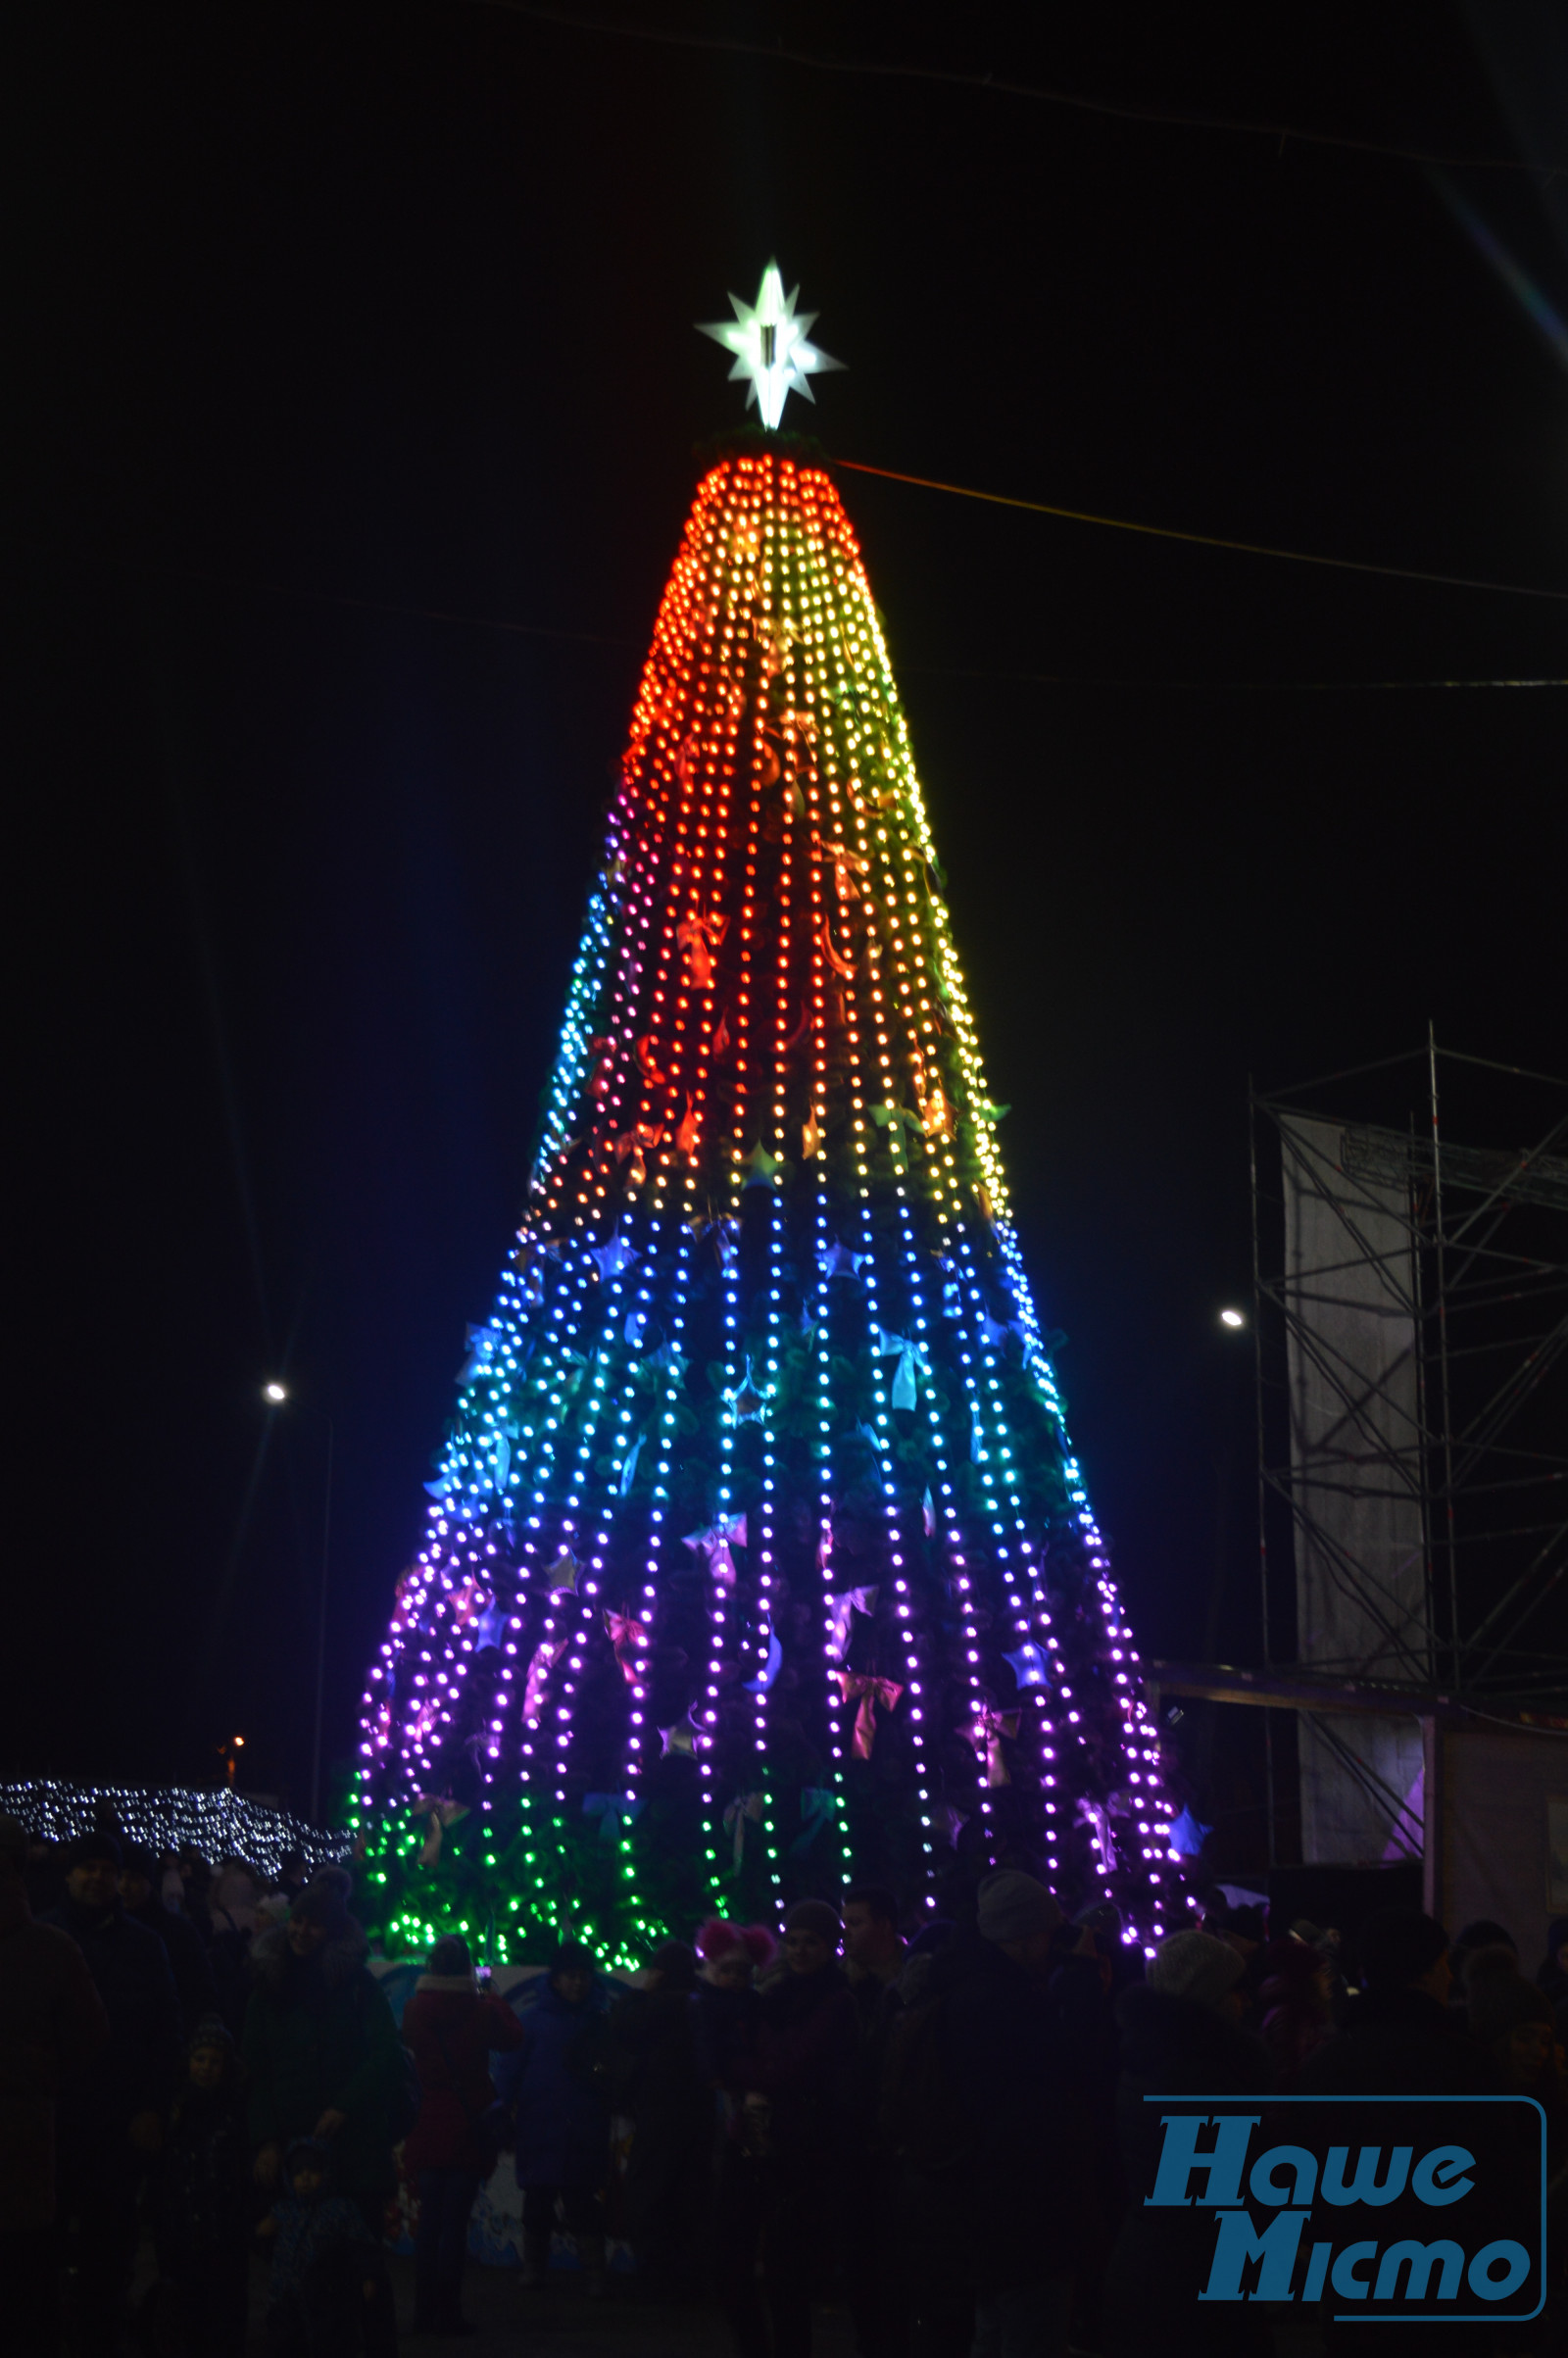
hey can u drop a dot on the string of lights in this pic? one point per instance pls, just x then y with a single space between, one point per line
757 1555
219 1823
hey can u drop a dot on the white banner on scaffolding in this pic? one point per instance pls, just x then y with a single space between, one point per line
1355 1466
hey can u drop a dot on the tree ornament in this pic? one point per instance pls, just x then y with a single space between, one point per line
985 1731
561 1577
745 1810
872 1690
840 1610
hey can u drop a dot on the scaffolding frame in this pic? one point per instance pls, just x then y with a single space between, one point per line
1486 1298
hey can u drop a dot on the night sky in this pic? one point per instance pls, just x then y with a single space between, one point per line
358 399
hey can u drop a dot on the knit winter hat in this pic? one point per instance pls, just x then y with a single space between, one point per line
211 2032
1195 1966
1012 1905
324 1899
1500 1999
1397 1945
676 1964
94 1846
449 1955
313 2153
717 1937
137 1859
814 1916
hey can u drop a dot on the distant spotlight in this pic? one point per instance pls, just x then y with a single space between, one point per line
1232 1318
277 1392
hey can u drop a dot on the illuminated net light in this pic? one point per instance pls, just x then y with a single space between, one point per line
757 1556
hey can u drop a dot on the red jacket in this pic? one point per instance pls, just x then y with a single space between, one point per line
452 2031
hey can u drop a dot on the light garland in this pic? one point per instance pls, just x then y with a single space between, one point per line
219 1823
757 1556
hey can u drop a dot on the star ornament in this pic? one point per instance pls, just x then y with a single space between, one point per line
773 355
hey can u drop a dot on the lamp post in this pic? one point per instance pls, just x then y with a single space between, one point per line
277 1395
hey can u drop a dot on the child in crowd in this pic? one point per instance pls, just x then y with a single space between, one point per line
329 2292
201 2201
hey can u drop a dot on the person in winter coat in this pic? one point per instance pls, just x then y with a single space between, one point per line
732 1955
321 2049
1511 2021
782 2170
451 2029
203 2206
328 2290
655 2068
1295 2000
554 2083
1399 2037
52 2025
1180 2034
182 1943
110 2117
1019 2030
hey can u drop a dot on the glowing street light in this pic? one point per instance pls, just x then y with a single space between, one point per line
1232 1318
275 1392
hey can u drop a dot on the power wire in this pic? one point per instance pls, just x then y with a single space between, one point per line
1203 540
1283 134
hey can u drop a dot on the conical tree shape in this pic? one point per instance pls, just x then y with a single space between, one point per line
758 1557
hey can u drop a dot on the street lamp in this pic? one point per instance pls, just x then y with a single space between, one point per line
1232 1318
276 1394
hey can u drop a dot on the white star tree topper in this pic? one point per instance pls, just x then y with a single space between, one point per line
771 348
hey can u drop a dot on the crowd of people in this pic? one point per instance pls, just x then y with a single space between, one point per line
941 2128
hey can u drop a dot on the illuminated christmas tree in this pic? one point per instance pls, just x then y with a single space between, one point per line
757 1556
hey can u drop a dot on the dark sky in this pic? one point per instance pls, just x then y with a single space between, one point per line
347 338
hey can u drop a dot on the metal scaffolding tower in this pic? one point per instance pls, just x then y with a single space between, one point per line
1412 1326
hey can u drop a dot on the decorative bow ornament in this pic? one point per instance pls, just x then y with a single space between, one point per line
985 1732
546 1655
872 1690
818 1802
440 1811
937 1117
847 866
625 1634
832 955
713 1546
1096 1817
745 1810
631 1143
612 1810
901 1125
699 937
912 1365
464 1602
838 1612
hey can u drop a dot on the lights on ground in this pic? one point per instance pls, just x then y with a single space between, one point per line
275 1392
1232 1318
